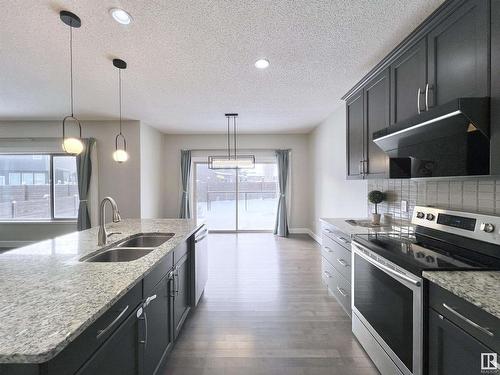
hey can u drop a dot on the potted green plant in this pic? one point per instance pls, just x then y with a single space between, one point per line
376 197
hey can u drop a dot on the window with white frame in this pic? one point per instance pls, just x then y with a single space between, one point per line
38 187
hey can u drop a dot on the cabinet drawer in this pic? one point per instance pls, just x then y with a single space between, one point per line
467 316
77 352
341 238
161 269
342 291
327 273
337 255
343 262
337 284
181 250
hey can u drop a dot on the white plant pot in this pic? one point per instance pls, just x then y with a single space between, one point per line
376 219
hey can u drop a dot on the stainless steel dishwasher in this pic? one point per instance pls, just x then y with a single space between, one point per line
200 263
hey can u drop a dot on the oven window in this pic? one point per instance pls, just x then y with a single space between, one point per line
387 305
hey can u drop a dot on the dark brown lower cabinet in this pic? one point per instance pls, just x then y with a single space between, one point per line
181 293
157 315
452 351
121 353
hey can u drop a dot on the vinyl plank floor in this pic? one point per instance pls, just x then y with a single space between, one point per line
266 311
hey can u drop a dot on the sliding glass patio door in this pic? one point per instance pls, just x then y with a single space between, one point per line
236 200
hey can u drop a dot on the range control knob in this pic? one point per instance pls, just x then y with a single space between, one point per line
487 227
430 217
420 215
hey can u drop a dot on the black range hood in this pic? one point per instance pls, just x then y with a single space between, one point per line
449 140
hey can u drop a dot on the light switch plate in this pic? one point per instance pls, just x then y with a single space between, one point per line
404 206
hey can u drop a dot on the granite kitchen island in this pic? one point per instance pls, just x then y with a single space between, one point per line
49 297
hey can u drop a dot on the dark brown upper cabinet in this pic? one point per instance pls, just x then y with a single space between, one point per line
367 112
408 80
458 54
377 117
355 137
445 58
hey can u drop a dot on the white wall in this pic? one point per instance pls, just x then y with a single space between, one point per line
333 195
118 180
298 143
121 181
152 172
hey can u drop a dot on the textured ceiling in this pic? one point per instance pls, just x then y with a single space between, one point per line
191 61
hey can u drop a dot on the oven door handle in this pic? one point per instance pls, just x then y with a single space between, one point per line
387 269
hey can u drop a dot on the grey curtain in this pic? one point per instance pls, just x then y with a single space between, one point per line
185 212
281 226
84 172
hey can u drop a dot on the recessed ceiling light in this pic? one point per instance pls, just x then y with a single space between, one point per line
262 64
120 16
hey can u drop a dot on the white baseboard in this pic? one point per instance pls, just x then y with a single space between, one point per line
306 231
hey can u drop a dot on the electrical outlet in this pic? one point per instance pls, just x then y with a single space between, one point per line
404 206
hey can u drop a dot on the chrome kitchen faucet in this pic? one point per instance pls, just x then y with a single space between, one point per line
102 236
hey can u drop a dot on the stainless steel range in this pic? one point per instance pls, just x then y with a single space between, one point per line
389 293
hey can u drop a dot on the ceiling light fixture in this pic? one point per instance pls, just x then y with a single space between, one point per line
262 64
120 16
120 155
231 160
71 145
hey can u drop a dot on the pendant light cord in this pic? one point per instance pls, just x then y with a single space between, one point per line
71 66
120 96
234 135
228 138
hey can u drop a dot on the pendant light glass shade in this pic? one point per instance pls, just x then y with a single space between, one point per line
71 145
232 160
120 155
225 162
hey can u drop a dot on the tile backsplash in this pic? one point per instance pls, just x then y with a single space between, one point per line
474 195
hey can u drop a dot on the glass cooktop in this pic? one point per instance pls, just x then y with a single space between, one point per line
412 253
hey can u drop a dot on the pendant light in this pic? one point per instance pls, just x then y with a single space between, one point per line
71 145
120 155
231 160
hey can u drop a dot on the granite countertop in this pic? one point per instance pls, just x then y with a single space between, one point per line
342 225
481 288
48 297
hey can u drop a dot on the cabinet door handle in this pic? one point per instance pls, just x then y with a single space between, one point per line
361 167
343 262
365 167
149 300
145 318
341 239
427 88
101 332
327 274
328 250
176 275
342 292
171 287
419 94
467 320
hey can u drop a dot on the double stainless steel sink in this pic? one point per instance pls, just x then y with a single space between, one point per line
132 248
